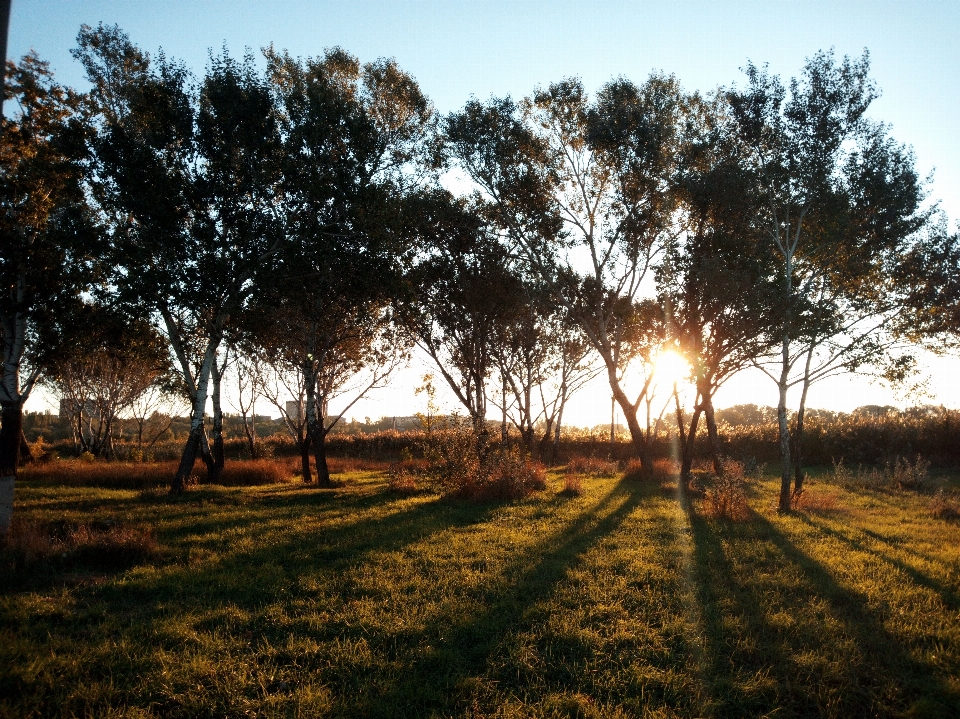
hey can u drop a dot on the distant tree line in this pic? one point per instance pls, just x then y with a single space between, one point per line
289 229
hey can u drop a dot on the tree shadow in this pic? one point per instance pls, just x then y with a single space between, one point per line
947 595
448 674
795 642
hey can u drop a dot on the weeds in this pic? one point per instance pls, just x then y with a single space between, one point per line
593 467
899 474
725 496
944 507
32 546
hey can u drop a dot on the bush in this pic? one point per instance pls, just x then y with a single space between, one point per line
943 507
899 474
593 467
508 476
63 545
400 479
572 485
725 496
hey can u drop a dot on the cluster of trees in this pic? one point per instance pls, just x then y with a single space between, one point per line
292 224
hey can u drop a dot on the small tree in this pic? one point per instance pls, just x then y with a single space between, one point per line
102 373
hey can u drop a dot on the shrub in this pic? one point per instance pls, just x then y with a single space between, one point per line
593 467
508 476
663 470
572 485
400 479
899 474
943 507
725 496
62 545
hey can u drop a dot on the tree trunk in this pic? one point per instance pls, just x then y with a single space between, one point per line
686 464
216 475
712 433
11 427
798 473
639 440
197 437
318 440
303 442
784 504
25 455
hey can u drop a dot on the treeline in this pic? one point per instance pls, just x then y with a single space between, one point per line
289 230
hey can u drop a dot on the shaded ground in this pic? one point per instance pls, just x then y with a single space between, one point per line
285 601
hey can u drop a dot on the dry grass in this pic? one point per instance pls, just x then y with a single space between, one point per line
101 545
817 500
593 467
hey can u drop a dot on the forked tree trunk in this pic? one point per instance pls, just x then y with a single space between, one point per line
784 426
196 440
798 473
638 438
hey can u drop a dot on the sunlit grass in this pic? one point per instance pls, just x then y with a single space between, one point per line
284 601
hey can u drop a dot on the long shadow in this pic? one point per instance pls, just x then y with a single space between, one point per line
736 630
458 655
879 678
947 594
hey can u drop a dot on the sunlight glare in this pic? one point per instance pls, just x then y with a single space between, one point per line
671 367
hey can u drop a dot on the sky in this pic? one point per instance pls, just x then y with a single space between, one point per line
462 48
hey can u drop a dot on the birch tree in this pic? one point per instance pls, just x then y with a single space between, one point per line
185 175
841 202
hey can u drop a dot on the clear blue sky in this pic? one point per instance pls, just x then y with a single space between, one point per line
494 47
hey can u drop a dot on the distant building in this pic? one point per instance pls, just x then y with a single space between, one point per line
293 411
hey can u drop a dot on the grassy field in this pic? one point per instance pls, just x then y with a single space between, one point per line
282 600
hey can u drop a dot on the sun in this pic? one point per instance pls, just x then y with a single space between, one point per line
670 367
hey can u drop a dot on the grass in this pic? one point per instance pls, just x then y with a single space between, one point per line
281 600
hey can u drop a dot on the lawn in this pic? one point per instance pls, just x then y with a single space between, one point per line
281 600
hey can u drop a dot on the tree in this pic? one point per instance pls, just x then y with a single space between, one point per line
840 204
466 295
48 240
186 179
585 191
102 373
355 143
